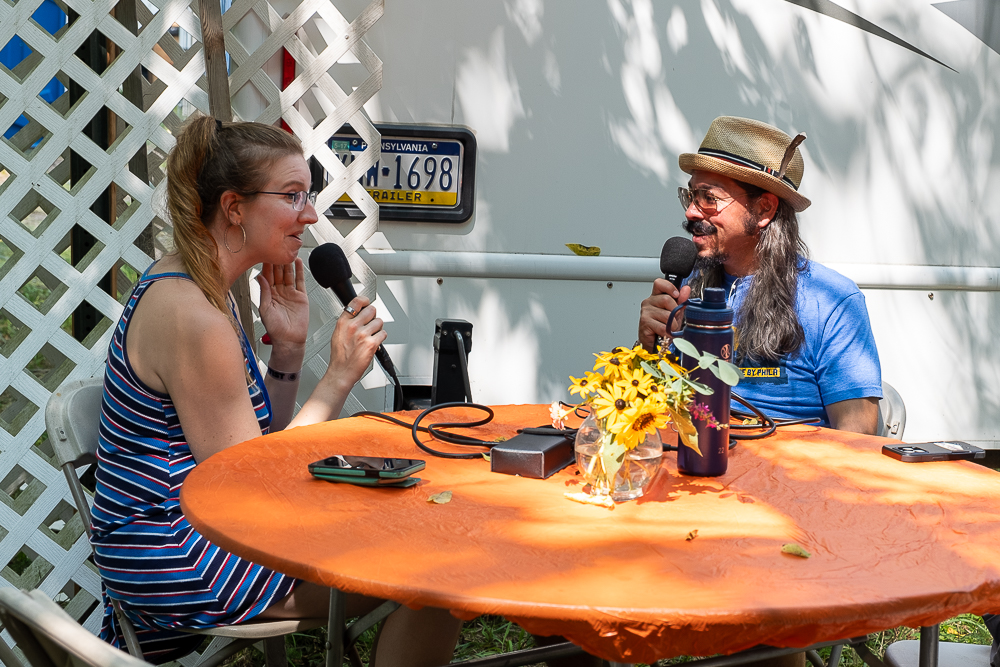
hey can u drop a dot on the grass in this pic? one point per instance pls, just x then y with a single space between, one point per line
489 635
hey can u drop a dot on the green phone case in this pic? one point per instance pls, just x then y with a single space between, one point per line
318 469
369 481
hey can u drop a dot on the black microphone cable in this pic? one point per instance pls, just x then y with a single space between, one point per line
435 430
454 438
768 424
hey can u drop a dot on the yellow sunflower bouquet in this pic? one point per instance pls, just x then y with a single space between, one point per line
631 394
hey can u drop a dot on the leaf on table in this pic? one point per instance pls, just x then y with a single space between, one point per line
486 456
693 534
587 499
440 498
795 550
584 250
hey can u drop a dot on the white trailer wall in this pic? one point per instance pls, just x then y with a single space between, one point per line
580 111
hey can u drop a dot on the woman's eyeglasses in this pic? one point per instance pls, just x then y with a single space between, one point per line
704 199
298 199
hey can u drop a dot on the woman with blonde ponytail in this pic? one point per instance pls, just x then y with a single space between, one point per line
182 383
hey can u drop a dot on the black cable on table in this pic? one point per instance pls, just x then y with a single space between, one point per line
767 423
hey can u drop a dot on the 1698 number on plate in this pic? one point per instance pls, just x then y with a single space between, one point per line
411 172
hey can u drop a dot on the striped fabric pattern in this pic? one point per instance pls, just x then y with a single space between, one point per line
165 574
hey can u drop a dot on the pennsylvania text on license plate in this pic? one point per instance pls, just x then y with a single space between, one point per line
412 172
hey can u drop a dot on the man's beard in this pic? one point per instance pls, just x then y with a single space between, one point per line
716 257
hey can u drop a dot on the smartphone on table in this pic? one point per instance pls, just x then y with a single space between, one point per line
917 452
367 470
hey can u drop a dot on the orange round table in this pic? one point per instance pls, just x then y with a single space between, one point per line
892 543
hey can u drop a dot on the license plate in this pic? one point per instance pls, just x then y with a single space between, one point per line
412 173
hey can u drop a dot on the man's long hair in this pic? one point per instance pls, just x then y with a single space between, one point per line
767 323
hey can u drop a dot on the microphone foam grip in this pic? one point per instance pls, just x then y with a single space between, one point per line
330 268
677 257
329 265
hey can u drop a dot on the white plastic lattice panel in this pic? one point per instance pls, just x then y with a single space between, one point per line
314 105
147 78
53 177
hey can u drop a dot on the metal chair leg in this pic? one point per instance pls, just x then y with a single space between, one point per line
227 651
354 657
334 629
929 646
274 652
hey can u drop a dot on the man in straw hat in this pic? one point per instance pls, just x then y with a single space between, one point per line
804 326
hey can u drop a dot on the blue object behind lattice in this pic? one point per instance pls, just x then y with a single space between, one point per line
51 18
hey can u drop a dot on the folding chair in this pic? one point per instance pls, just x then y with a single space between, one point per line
929 651
72 418
891 413
49 637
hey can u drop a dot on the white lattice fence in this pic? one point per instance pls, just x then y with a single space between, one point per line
315 105
52 175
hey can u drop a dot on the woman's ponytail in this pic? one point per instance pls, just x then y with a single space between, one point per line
196 245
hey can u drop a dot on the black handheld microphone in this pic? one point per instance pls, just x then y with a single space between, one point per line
676 263
329 266
677 259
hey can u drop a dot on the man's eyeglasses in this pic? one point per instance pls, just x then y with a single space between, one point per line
703 199
298 199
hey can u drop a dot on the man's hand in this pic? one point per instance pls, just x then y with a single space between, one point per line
858 415
656 309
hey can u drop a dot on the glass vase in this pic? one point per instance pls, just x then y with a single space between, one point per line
638 468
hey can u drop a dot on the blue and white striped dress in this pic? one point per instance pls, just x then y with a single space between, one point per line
164 573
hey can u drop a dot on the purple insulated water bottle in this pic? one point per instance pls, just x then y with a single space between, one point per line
709 327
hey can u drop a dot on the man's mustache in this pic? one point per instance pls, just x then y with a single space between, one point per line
699 227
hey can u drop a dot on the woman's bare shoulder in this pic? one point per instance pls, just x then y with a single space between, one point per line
179 305
175 328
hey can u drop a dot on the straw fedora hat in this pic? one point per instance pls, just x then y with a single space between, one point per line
753 152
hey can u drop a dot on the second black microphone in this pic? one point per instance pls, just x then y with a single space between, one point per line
329 266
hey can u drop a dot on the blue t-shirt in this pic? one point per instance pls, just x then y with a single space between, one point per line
836 362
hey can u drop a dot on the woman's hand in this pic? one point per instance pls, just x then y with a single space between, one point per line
352 346
284 306
354 341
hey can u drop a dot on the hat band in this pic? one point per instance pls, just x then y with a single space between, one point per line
744 162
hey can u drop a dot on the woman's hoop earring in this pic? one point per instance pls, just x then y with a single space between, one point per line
225 238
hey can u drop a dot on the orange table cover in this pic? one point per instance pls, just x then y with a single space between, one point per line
892 543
